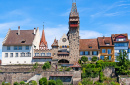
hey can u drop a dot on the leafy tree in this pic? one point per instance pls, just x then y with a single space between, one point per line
84 59
46 66
16 83
101 76
51 82
94 58
123 64
43 81
59 82
22 82
79 61
34 83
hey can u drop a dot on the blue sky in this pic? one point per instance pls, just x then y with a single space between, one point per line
97 17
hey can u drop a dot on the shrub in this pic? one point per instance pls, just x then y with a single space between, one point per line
79 61
68 69
59 82
101 76
43 81
79 83
94 58
35 65
46 66
16 83
34 83
22 82
84 59
87 81
51 82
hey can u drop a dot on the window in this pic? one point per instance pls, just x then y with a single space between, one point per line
65 46
121 44
116 51
15 48
109 51
103 50
27 47
22 54
20 47
102 57
11 54
62 46
81 53
16 55
42 54
86 53
36 54
95 53
109 57
28 54
90 47
6 54
48 54
121 39
8 47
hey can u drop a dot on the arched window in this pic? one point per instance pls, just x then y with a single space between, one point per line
63 46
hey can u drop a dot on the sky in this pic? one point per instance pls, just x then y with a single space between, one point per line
97 17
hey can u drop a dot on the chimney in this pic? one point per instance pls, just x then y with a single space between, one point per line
18 30
34 31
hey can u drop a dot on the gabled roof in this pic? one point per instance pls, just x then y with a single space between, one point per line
26 37
114 36
43 40
55 43
76 64
86 44
105 41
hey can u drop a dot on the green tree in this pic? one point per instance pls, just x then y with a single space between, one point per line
123 64
94 58
16 83
43 81
35 66
51 82
46 66
87 81
101 76
22 82
34 83
84 59
59 82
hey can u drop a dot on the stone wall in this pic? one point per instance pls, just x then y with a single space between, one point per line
124 79
109 71
12 77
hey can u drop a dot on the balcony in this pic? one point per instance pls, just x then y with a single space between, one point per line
73 25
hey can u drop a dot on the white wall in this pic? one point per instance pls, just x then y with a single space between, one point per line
16 60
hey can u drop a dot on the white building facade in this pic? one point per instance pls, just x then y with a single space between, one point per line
18 46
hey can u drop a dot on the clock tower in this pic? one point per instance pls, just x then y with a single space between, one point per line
73 34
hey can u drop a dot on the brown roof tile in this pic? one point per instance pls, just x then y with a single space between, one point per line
116 35
103 41
43 40
14 39
76 64
55 43
85 44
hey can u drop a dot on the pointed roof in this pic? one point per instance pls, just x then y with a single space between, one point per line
76 64
55 43
74 10
43 40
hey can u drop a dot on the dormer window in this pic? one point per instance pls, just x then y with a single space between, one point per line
90 47
121 39
23 41
107 42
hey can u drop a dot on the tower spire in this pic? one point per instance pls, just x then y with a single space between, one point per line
74 10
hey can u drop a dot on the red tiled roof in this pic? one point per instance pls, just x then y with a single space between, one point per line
15 39
55 43
43 40
117 35
85 44
41 57
105 40
76 65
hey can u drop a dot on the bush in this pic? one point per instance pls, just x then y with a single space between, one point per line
79 83
59 82
87 81
68 69
16 83
43 81
46 66
22 82
94 58
51 82
84 59
101 76
79 61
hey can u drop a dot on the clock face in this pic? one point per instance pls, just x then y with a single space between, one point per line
64 39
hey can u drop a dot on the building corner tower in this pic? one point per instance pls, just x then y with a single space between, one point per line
73 34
